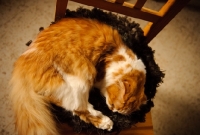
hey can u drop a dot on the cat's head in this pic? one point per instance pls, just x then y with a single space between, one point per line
126 95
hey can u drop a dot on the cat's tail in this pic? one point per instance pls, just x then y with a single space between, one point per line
32 111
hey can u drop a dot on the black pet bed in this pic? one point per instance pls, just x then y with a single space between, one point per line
132 36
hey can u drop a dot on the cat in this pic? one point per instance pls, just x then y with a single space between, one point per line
63 63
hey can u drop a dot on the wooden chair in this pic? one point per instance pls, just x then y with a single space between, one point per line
157 20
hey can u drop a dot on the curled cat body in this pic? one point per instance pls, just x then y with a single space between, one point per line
62 64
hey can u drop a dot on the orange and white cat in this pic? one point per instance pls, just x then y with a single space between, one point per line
65 61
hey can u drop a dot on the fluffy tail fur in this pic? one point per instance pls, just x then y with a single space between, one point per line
32 113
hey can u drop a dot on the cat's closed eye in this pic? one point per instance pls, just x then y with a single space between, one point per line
127 84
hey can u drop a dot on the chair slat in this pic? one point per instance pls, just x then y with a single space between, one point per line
119 1
167 6
60 9
144 15
139 4
143 9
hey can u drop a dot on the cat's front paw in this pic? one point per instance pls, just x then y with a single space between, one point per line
106 123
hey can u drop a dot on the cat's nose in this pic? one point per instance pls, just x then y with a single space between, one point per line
124 112
115 110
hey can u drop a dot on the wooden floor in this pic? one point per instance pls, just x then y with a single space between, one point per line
145 128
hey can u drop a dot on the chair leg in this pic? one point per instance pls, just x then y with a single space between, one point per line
61 6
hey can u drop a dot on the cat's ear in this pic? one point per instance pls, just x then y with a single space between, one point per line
128 85
122 90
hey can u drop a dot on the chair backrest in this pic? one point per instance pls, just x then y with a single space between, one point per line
157 19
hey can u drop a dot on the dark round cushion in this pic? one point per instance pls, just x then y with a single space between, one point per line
132 36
